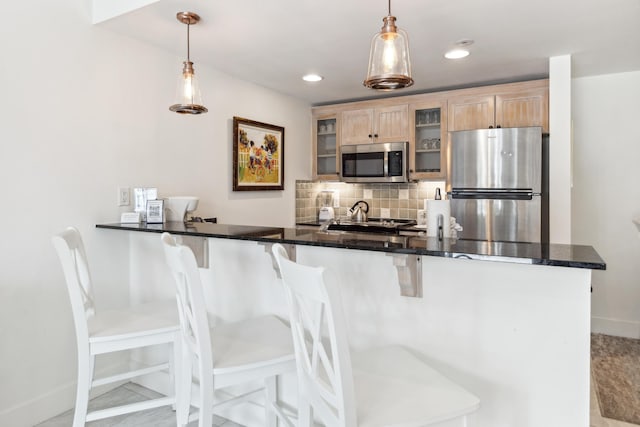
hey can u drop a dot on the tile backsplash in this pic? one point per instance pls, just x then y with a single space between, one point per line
385 200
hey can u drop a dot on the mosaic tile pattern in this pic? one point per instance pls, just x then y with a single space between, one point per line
385 200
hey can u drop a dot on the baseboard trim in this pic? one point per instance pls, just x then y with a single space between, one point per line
616 327
54 402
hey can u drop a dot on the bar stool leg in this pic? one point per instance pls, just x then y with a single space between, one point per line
85 375
270 400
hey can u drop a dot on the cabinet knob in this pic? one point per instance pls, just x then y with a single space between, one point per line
490 127
369 135
498 127
410 170
376 135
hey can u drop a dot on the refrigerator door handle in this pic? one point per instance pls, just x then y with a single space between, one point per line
493 194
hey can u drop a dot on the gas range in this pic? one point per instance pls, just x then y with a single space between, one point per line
373 225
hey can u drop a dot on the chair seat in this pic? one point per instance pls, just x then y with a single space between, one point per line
251 343
143 319
394 388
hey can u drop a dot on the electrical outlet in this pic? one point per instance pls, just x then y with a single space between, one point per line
124 196
336 199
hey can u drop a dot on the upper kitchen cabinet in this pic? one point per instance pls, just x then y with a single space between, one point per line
325 146
510 105
380 124
424 120
523 108
428 123
471 112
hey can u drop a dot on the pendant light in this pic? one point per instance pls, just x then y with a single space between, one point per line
389 64
188 96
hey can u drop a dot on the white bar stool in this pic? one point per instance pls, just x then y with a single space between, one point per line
100 332
386 386
257 349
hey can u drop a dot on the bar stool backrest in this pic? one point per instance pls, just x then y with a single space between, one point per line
191 302
70 250
325 378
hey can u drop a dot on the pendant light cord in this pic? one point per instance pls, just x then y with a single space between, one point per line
189 26
389 7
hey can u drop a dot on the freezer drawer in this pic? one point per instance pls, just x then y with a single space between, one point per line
499 219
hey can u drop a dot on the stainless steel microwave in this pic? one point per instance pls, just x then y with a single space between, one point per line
377 162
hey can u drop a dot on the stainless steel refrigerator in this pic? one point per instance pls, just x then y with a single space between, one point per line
495 184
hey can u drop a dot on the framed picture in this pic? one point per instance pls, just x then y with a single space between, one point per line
258 156
155 211
140 198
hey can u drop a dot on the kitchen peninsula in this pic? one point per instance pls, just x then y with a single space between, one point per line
508 321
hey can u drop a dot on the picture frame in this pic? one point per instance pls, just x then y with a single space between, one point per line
140 197
155 211
258 156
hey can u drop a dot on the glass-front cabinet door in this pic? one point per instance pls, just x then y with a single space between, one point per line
325 145
428 123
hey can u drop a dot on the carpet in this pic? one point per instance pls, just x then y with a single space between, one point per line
615 365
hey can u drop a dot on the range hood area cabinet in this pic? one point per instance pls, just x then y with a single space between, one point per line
526 105
421 120
384 123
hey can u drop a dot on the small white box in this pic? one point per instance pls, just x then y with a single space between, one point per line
130 218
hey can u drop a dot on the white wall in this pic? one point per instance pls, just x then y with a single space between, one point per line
85 111
560 149
606 194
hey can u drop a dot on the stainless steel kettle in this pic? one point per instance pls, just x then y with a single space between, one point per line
357 213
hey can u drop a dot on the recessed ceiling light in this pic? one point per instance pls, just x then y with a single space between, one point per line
456 54
312 78
459 50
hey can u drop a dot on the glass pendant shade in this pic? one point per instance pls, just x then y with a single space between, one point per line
188 98
389 63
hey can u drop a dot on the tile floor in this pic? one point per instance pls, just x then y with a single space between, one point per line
129 393
597 420
165 417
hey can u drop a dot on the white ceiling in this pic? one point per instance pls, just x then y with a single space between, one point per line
274 42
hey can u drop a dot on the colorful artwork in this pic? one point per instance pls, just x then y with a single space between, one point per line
258 156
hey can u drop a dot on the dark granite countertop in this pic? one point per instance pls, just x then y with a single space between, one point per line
576 256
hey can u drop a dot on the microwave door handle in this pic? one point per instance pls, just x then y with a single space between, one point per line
385 163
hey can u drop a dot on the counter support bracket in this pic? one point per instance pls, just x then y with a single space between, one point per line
409 274
291 252
199 246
